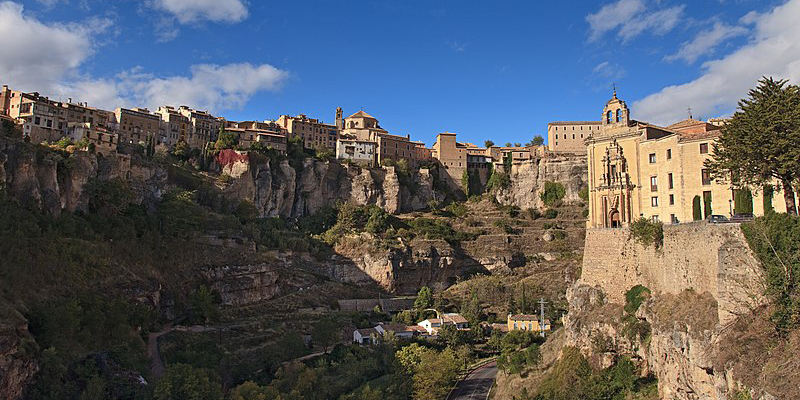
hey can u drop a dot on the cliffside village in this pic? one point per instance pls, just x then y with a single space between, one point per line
635 169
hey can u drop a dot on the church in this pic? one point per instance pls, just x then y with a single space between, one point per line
640 170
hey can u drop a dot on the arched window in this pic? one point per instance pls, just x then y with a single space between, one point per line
619 113
608 116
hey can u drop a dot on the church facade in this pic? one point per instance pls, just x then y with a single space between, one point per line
640 170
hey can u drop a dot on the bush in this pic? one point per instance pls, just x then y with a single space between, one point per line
647 232
743 201
550 213
584 194
553 193
505 226
533 213
697 212
457 210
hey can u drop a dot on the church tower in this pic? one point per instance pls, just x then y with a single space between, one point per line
615 113
339 120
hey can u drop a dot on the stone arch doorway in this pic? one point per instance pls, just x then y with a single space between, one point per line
614 219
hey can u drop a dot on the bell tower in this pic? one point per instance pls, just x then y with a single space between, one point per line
615 113
339 120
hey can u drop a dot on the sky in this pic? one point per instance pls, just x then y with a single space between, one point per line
486 70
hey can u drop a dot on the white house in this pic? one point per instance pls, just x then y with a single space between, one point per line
399 330
366 336
432 325
358 151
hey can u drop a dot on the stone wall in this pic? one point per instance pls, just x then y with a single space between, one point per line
713 258
528 178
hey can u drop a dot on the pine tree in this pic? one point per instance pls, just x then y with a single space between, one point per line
761 143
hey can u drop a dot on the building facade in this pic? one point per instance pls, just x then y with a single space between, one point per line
362 152
641 170
314 132
570 136
526 322
135 125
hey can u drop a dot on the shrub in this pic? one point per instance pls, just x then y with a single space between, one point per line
635 297
743 201
647 232
553 193
457 209
697 213
767 199
533 213
560 235
550 213
505 226
584 194
497 180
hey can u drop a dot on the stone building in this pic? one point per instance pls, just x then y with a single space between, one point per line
174 126
365 127
361 152
314 132
569 136
136 124
203 127
267 133
638 170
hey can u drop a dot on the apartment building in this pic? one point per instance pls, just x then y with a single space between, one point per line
365 127
174 126
268 133
134 125
638 170
203 127
569 136
362 152
314 132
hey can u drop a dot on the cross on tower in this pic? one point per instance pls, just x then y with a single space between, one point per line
614 86
689 110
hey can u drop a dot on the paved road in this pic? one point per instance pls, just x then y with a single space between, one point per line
476 385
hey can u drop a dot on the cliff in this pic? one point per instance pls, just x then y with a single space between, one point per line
528 178
704 280
279 190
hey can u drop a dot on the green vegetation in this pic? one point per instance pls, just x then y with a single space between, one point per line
743 201
424 298
775 238
648 233
707 206
505 226
471 183
488 143
633 327
551 213
697 213
553 193
760 142
10 129
537 140
518 350
767 198
183 381
572 378
584 194
225 140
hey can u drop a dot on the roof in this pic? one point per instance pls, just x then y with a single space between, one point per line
396 327
524 317
575 123
685 123
361 114
367 331
455 318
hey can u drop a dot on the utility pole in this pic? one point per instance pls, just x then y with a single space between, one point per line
541 316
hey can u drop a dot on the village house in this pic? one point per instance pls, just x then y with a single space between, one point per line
433 325
362 152
366 336
526 322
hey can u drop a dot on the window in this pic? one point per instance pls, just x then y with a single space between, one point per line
654 201
619 113
652 158
706 175
669 154
608 117
703 148
655 218
573 136
672 199
653 184
670 183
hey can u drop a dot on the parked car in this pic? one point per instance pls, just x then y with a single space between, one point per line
717 219
743 217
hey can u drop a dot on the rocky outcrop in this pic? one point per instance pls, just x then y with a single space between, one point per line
279 190
17 362
702 278
244 284
528 178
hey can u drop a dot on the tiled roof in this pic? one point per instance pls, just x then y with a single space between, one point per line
361 114
454 318
685 123
575 123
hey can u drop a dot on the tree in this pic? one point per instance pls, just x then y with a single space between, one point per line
226 140
488 143
553 193
435 375
181 150
696 210
424 298
537 140
761 142
767 199
472 310
508 144
203 304
743 201
411 356
324 333
252 391
184 382
517 144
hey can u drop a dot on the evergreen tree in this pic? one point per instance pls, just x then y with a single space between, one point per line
697 213
424 298
761 143
488 143
743 201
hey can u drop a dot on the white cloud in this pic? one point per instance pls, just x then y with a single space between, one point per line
35 56
706 41
187 11
608 70
47 58
631 18
775 51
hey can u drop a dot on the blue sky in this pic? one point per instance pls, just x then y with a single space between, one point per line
486 70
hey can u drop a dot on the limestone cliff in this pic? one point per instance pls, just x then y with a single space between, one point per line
279 190
703 280
528 178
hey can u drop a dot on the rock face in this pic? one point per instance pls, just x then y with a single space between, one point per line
700 280
279 190
16 366
528 178
245 284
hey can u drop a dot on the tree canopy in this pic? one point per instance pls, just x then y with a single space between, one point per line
761 142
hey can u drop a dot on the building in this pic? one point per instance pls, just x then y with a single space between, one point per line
135 125
267 133
314 132
526 322
433 325
203 127
365 127
362 152
103 140
570 136
175 127
399 330
638 170
366 336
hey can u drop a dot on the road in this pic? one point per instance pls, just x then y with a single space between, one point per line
476 385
